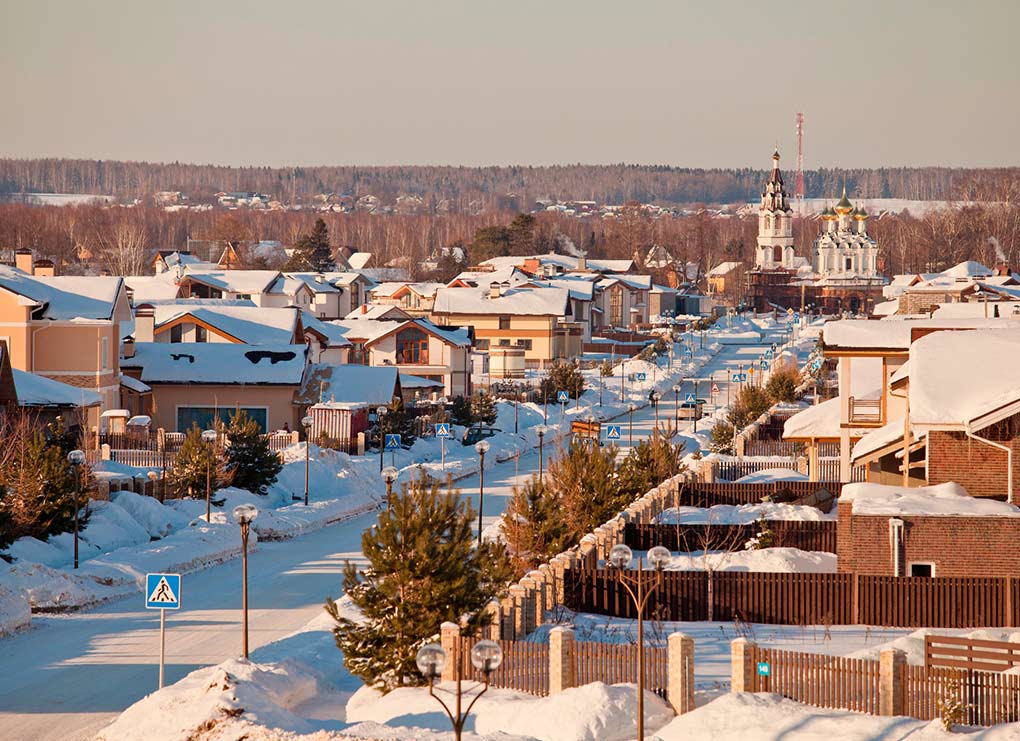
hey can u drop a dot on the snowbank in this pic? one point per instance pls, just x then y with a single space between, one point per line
743 514
768 475
913 644
941 500
15 612
785 560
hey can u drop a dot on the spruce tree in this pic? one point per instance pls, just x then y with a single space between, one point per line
585 482
312 251
400 422
194 462
651 462
250 461
423 569
483 409
460 411
534 527
563 377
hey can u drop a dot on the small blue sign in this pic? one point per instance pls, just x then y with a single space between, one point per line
443 429
739 377
162 591
689 399
769 354
392 442
613 432
642 376
764 365
796 317
764 669
562 397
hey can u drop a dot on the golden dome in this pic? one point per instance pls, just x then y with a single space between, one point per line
844 206
828 214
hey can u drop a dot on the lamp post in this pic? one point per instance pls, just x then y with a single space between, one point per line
676 405
209 438
76 458
630 431
517 405
306 422
541 430
640 587
654 398
389 475
481 447
486 656
244 515
381 412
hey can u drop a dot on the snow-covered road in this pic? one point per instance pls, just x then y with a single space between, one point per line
71 674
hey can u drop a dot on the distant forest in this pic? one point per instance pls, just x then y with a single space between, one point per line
497 189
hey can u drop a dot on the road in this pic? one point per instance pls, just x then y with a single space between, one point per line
71 674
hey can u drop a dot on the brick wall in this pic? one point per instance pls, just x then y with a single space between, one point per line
958 546
977 466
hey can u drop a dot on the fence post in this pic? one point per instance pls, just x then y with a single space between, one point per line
562 668
741 665
517 617
680 672
538 595
1007 593
492 630
104 452
892 663
529 606
855 599
449 638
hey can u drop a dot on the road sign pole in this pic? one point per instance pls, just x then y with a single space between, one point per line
442 452
162 645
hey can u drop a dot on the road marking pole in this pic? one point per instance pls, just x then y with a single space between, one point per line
162 644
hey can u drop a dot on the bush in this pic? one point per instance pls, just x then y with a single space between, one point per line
196 464
782 384
722 438
563 377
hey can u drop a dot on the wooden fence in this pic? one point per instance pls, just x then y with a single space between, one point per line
835 682
989 698
805 598
698 494
615 663
525 666
956 652
807 535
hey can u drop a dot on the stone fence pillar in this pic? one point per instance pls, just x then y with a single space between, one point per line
680 672
449 638
891 699
741 665
562 667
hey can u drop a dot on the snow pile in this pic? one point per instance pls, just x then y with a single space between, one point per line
15 612
768 475
913 644
765 717
941 500
742 514
774 560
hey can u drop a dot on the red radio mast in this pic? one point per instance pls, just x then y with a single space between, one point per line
798 183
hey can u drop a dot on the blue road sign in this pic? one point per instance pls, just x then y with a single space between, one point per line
796 317
764 669
613 432
769 354
392 442
642 376
739 377
562 397
443 429
162 591
764 365
689 399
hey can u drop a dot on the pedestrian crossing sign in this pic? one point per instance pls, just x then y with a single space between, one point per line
613 432
562 397
162 591
443 429
392 442
689 399
642 376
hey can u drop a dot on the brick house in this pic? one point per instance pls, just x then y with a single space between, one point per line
927 531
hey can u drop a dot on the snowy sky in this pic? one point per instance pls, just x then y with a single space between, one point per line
692 83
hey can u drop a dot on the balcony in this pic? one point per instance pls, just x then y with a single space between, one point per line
865 411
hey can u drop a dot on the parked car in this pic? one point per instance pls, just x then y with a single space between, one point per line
474 434
692 409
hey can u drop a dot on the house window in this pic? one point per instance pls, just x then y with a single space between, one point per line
201 334
104 351
177 333
526 344
481 344
849 262
188 416
245 296
504 342
504 322
616 308
412 347
919 568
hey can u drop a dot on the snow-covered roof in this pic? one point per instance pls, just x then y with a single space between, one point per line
349 384
943 500
483 278
407 381
894 334
567 262
133 384
880 438
378 311
253 325
968 269
147 288
635 282
959 377
64 297
333 334
723 268
218 363
359 260
37 391
818 421
523 301
318 282
234 281
886 308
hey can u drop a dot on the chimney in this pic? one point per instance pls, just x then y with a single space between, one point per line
128 348
364 308
145 323
582 263
23 260
44 268
1002 269
495 290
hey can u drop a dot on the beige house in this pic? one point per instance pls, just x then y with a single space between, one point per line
215 321
67 329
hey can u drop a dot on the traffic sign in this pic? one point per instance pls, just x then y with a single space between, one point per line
739 377
642 376
764 669
613 432
764 365
162 591
689 399
715 388
562 397
392 442
769 354
443 429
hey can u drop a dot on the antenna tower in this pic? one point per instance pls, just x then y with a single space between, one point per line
798 183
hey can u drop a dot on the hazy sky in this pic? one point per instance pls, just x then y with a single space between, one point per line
698 84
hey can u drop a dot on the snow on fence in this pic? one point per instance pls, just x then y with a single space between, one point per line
731 468
805 535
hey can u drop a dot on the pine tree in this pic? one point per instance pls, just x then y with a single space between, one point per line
584 481
195 461
312 251
483 409
460 411
650 462
423 569
250 461
563 377
534 527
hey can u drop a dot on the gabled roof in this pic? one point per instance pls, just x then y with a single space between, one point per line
234 281
359 260
522 301
252 325
318 282
64 298
457 336
378 311
218 363
146 288
349 384
329 334
724 268
36 391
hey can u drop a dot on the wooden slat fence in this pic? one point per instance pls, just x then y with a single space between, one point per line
806 535
141 458
939 602
525 666
682 595
990 698
614 663
697 494
836 682
958 652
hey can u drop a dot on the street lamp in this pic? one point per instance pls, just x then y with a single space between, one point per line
676 405
630 431
76 458
381 412
481 447
486 656
209 438
306 422
389 475
244 515
640 588
541 430
654 398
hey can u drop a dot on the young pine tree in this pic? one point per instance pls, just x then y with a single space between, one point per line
423 569
312 251
460 411
584 481
534 527
483 409
652 461
251 463
195 464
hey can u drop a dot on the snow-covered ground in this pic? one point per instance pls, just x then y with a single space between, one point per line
743 514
